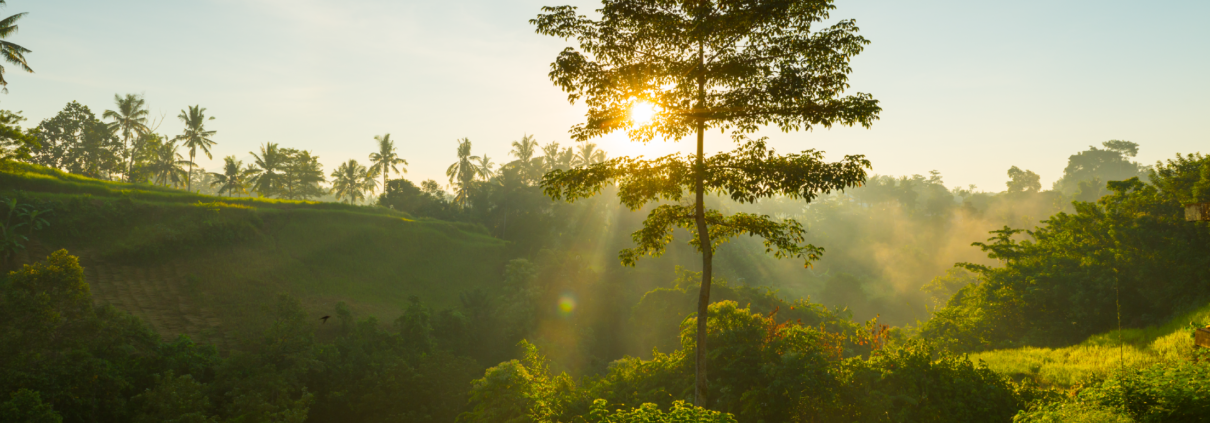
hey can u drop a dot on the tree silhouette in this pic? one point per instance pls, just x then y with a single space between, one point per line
386 160
524 150
75 141
1023 180
485 168
12 53
130 120
301 175
196 136
588 155
463 172
698 66
350 182
234 179
167 166
269 162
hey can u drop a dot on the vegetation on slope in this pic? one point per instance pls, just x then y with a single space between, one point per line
238 252
1130 259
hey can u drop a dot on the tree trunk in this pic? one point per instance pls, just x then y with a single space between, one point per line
130 166
703 235
189 177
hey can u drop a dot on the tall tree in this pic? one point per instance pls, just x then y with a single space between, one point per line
301 175
269 163
485 168
588 155
130 120
1095 167
350 182
196 136
1023 180
386 160
234 179
75 141
701 65
12 53
524 150
168 166
463 172
550 156
15 143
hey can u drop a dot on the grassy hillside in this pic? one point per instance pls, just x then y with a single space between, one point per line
205 265
1099 355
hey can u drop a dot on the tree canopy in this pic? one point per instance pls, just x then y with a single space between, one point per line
698 66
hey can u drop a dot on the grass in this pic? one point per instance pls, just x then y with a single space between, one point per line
238 253
1099 355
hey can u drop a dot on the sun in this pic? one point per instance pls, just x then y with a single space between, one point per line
641 112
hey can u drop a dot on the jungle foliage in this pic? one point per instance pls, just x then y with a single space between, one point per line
1066 279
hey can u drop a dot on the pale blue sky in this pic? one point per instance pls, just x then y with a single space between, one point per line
968 88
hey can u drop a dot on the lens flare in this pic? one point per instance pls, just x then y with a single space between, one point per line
641 112
567 304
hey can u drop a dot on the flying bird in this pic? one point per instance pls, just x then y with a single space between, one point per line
325 319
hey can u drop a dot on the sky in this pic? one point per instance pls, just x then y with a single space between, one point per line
967 88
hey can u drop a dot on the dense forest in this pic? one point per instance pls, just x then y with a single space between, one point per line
566 285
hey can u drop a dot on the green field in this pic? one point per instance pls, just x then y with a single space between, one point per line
1099 355
205 265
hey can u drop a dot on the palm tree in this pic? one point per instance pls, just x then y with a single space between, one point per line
386 160
565 159
12 53
196 136
167 166
484 167
524 151
464 171
350 181
234 178
588 155
268 165
550 156
131 121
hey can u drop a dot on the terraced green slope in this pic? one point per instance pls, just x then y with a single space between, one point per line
203 265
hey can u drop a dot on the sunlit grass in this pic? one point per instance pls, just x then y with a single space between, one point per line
1099 354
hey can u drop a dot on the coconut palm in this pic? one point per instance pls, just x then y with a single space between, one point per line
484 167
565 159
550 154
12 53
350 182
130 120
235 176
196 136
386 160
524 151
168 166
269 166
588 155
463 172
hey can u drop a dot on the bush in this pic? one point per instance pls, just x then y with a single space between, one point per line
26 406
679 412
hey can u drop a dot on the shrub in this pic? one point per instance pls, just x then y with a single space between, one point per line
679 412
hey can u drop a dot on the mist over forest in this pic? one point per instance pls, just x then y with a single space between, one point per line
566 283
